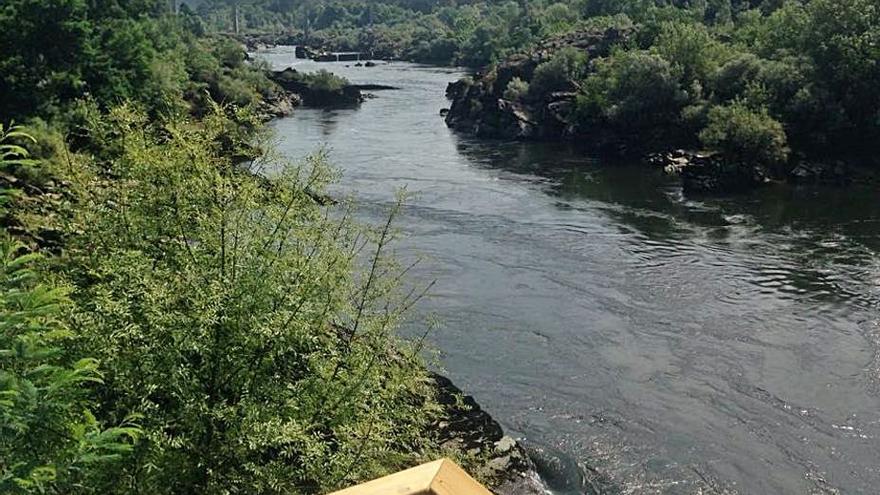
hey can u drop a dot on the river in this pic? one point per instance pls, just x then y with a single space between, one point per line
645 341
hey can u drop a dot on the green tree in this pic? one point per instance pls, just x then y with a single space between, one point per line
229 311
746 134
42 46
632 90
561 73
692 49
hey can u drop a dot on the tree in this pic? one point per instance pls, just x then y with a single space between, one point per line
746 134
228 310
561 73
632 90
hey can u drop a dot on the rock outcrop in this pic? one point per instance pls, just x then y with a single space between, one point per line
280 104
468 428
710 173
805 172
314 95
479 105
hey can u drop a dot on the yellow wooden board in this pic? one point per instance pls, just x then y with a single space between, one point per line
442 477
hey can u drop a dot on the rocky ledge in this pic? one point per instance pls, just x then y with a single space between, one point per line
468 428
317 95
712 173
479 105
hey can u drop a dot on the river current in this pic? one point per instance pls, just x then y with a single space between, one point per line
638 340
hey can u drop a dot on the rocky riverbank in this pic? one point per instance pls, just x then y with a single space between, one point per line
713 173
503 103
321 89
481 107
468 428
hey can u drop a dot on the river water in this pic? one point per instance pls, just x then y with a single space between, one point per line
640 341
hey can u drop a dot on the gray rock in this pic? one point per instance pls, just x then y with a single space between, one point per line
467 427
479 107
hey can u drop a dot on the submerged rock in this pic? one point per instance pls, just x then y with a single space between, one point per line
821 173
717 175
710 173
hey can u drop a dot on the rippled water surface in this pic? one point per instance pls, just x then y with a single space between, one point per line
640 341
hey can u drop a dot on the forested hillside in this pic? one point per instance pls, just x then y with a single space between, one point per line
761 83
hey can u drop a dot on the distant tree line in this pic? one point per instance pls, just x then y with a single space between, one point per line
801 74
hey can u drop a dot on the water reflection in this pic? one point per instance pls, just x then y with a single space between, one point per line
823 232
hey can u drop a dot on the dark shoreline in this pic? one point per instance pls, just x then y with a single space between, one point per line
467 427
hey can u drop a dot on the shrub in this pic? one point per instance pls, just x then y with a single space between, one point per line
733 78
692 49
745 134
324 80
517 89
566 67
50 442
632 89
229 310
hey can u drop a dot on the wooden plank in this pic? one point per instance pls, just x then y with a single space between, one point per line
442 477
453 480
414 481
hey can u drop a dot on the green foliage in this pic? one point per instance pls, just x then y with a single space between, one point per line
57 52
692 49
632 90
323 80
229 310
812 65
49 439
557 74
747 134
517 89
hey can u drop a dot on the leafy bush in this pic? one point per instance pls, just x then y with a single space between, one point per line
324 80
746 134
49 439
632 90
517 89
733 78
229 310
692 49
566 67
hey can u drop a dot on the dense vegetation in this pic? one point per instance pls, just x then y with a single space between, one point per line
446 31
800 74
178 314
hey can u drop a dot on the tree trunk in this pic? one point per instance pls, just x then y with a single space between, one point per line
235 20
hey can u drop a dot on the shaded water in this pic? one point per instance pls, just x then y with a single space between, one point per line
648 342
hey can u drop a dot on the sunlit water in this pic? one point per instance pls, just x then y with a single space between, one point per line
650 342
